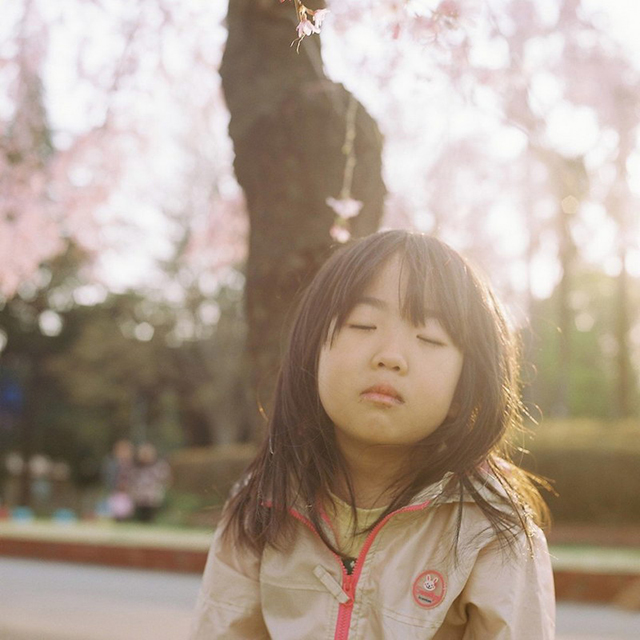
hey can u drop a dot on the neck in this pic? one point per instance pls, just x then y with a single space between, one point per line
373 471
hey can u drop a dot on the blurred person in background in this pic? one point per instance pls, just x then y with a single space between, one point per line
117 472
149 481
40 467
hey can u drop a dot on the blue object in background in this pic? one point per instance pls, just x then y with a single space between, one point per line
22 514
11 395
64 516
102 509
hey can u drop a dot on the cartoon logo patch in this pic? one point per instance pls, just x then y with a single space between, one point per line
429 589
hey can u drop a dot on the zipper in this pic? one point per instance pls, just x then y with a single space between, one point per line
350 582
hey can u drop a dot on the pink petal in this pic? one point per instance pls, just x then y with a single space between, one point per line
345 207
339 234
319 16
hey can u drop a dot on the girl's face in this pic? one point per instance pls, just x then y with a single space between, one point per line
385 381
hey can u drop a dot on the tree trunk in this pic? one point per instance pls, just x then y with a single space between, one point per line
571 186
619 210
565 321
288 126
623 409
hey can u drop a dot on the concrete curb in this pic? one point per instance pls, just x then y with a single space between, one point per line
581 586
606 581
135 557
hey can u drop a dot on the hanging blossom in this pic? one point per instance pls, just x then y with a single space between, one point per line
340 234
307 27
345 209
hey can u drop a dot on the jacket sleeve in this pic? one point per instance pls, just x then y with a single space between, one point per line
510 593
228 605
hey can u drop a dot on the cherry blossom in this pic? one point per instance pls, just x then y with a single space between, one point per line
318 17
537 64
83 181
305 26
340 234
345 207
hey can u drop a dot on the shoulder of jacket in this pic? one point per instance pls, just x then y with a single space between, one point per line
449 490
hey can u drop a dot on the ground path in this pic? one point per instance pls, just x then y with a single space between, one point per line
44 600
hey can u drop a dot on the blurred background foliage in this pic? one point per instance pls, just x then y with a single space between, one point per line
159 215
595 387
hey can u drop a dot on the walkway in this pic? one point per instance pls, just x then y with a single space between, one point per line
63 601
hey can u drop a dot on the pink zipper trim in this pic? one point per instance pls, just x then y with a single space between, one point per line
350 582
298 516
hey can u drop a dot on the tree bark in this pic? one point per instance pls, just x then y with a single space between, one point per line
619 210
623 378
571 186
288 129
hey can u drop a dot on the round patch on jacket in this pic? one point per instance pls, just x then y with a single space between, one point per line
429 589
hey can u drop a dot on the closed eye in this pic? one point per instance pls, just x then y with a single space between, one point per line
363 327
432 341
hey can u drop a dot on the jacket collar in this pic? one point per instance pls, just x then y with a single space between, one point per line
446 491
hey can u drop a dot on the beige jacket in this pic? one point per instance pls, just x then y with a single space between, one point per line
406 584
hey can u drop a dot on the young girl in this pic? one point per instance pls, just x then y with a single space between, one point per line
382 503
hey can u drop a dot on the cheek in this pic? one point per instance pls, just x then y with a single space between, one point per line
445 377
332 375
323 360
454 372
453 390
325 375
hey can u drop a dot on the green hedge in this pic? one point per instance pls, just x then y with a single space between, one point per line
210 472
594 467
595 486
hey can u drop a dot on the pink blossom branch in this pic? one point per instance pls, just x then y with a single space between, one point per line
307 27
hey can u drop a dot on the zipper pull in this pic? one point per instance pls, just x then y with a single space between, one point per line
347 587
332 585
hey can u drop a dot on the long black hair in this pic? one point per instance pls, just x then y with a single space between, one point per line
299 462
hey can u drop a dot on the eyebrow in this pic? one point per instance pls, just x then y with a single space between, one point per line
377 303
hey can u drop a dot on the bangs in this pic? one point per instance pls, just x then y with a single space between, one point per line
435 283
436 287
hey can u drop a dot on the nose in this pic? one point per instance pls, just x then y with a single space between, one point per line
390 357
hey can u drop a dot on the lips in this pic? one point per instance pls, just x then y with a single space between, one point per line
383 394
